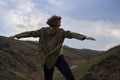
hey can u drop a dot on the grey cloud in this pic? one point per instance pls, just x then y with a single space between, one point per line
20 26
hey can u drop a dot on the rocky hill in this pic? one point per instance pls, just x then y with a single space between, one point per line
18 59
103 67
108 68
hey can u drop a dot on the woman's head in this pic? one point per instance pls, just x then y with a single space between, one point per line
54 21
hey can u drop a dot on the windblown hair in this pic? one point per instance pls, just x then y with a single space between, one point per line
52 21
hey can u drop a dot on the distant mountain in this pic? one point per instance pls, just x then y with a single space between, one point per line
18 59
76 56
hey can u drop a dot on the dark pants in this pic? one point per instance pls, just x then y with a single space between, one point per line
63 67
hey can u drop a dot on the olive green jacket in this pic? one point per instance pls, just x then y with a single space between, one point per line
50 42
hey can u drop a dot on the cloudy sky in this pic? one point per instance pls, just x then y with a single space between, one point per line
97 18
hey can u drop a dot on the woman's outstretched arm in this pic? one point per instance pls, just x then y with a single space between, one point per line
69 34
26 34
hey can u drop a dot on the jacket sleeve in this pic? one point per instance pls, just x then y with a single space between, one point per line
29 34
69 34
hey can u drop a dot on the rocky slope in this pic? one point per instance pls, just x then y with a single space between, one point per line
17 60
108 68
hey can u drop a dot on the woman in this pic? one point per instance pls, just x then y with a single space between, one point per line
50 43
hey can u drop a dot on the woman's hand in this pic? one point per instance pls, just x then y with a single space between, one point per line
90 38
